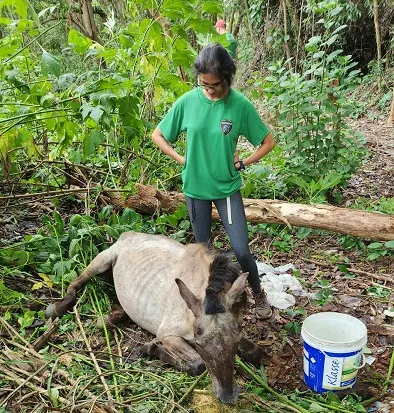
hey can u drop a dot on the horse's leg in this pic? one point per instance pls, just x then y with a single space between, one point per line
113 319
250 351
176 352
100 264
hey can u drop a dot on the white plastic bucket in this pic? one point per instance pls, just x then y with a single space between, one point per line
333 344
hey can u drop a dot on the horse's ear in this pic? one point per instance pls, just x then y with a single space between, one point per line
236 289
191 300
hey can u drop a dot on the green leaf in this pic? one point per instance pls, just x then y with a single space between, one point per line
338 29
20 257
375 245
74 247
373 256
85 110
212 7
343 268
65 80
50 64
37 286
54 396
12 77
96 113
312 44
108 101
176 9
27 319
128 109
21 6
78 41
91 142
332 39
315 408
200 26
389 244
4 21
113 232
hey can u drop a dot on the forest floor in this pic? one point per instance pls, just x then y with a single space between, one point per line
364 294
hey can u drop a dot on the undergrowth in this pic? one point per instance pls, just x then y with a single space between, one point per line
46 262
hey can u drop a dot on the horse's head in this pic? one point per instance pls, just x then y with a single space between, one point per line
217 331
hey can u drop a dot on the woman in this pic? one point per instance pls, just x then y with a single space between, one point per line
213 116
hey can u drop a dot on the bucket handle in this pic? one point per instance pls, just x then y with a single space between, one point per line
364 360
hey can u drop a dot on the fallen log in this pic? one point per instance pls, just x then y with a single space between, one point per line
372 225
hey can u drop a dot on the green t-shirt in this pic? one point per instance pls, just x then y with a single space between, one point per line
232 46
212 130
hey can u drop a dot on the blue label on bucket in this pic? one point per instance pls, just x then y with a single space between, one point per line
324 370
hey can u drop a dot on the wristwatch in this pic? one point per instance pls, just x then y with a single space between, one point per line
241 165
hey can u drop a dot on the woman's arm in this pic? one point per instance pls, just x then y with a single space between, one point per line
266 146
165 147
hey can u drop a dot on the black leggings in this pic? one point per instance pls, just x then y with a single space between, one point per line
232 213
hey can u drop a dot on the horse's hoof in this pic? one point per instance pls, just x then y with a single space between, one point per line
105 322
50 311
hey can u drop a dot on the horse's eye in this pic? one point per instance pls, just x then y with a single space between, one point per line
199 331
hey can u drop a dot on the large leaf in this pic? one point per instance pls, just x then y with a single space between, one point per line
96 113
12 77
212 7
176 9
332 39
201 26
128 109
183 55
311 46
50 64
25 139
65 81
91 142
21 6
108 101
78 41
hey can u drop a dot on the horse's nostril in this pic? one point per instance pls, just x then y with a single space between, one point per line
197 368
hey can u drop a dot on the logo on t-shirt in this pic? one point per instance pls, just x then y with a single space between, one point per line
226 125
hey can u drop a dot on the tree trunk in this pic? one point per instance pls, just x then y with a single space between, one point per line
297 57
238 25
359 223
378 42
249 21
231 24
286 30
80 14
88 20
296 19
390 120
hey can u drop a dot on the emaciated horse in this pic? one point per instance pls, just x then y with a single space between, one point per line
187 296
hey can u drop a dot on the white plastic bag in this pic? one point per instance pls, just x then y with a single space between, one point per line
278 284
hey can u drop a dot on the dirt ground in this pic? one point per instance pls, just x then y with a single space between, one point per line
353 295
362 294
376 177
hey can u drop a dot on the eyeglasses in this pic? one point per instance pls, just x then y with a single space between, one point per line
216 86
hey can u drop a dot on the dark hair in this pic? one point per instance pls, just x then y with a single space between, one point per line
216 60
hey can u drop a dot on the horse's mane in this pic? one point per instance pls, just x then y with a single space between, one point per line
222 273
